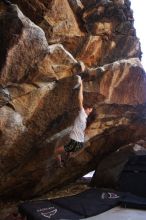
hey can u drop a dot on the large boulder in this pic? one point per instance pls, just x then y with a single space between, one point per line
38 64
109 171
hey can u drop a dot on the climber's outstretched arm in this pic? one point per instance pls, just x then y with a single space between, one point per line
81 94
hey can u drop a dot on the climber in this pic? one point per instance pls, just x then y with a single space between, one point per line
78 129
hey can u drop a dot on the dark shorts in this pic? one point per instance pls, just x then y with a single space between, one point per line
73 146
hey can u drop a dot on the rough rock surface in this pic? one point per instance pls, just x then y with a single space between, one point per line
41 44
110 168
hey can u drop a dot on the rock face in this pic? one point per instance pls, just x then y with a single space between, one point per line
110 168
42 44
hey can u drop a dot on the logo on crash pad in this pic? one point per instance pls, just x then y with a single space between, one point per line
109 195
47 212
